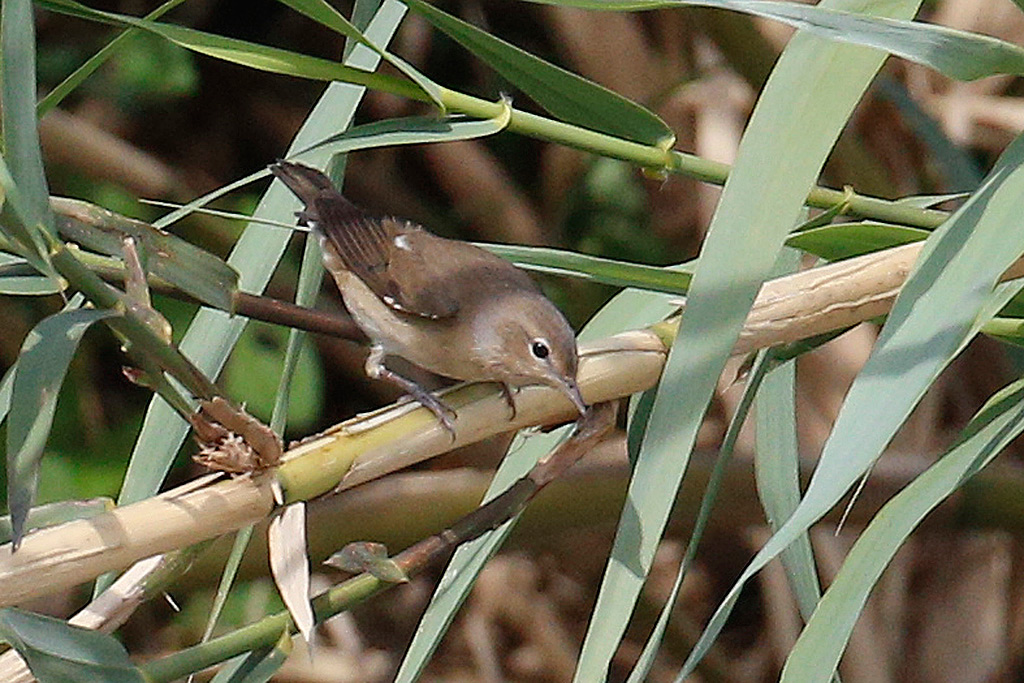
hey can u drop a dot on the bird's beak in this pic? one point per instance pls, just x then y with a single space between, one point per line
572 392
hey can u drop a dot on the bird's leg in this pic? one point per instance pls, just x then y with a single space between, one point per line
375 369
509 394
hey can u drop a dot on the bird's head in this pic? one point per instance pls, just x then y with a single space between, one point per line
525 339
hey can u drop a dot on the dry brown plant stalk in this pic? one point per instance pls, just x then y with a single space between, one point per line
790 308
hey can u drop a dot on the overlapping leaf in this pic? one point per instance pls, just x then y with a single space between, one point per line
562 93
805 104
42 364
935 314
958 54
59 653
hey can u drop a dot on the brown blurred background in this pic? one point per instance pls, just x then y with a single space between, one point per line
161 123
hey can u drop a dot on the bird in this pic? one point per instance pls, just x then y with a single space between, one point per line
445 305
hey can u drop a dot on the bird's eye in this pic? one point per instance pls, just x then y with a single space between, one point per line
539 349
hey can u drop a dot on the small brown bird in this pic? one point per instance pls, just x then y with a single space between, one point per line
444 305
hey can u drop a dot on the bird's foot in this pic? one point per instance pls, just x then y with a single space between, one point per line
445 414
376 369
509 394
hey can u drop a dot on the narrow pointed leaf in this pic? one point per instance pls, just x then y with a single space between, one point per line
253 55
565 95
596 269
411 130
59 653
845 240
935 314
958 54
805 104
818 649
18 94
79 75
42 364
19 278
777 473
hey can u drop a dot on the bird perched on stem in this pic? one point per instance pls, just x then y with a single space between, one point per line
447 306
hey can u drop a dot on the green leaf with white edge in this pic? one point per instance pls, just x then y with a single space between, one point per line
777 463
53 514
562 93
805 104
777 473
823 640
757 374
42 364
845 240
958 54
57 652
595 268
935 315
787 262
212 334
20 126
252 55
323 13
628 310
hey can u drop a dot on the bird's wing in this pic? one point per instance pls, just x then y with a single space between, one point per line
384 253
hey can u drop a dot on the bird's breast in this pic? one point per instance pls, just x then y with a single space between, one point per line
435 345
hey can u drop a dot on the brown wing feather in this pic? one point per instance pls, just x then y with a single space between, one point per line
408 268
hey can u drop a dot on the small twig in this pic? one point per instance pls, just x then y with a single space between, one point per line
598 421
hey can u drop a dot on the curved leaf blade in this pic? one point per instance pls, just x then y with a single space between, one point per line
57 652
411 130
821 644
325 14
253 55
845 240
958 54
76 78
20 126
939 309
808 99
562 93
42 364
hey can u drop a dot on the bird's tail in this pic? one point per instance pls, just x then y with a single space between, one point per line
307 183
